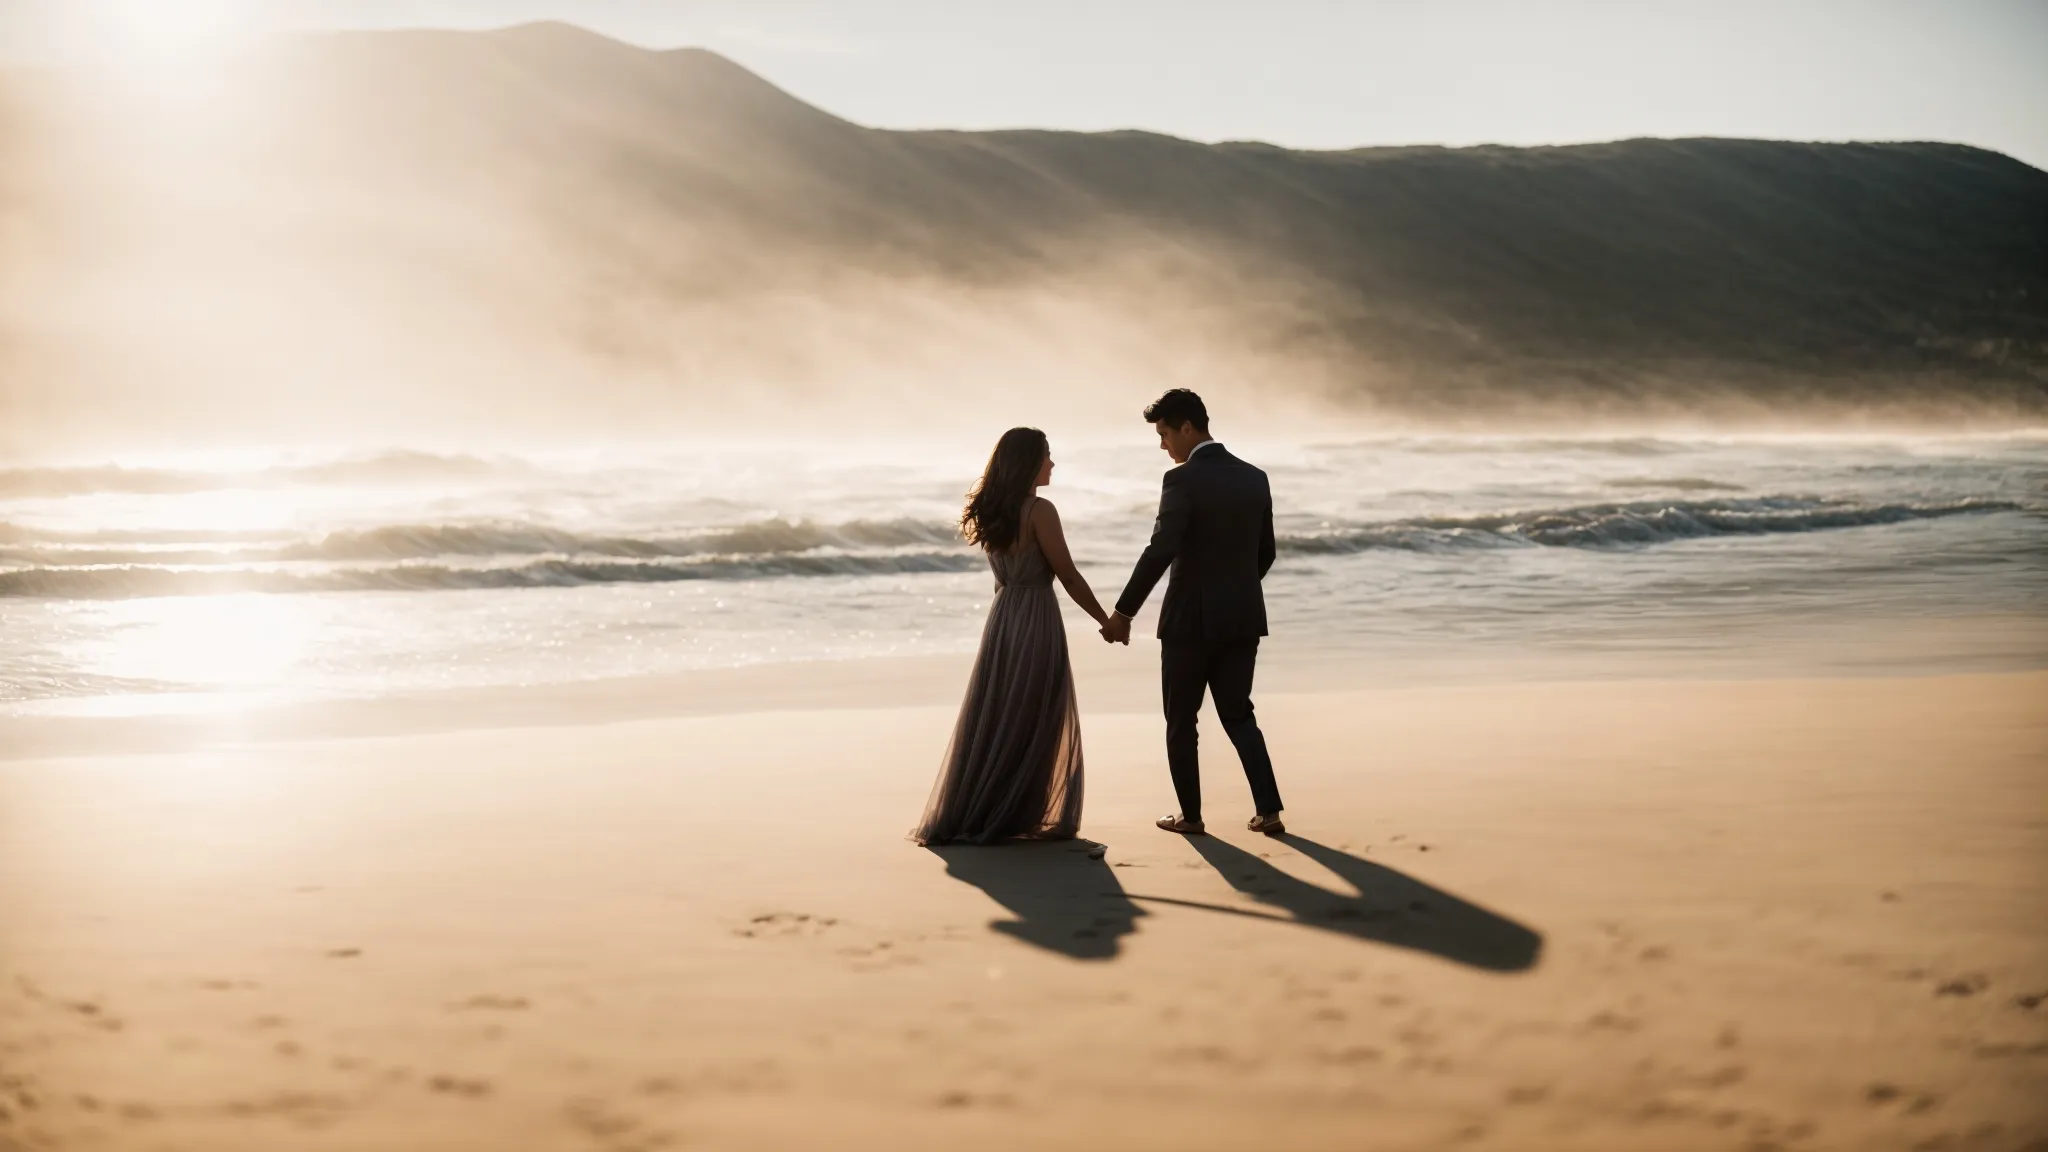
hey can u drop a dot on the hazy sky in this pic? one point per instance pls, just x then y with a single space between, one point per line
1297 72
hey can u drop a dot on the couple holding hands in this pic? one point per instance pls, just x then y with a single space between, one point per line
1013 768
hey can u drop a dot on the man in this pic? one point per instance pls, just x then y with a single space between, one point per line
1215 530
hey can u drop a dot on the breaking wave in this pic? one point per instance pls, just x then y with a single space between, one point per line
122 581
428 541
433 557
509 554
1624 525
766 537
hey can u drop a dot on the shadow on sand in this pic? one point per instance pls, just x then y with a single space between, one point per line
1067 903
1391 908
1062 900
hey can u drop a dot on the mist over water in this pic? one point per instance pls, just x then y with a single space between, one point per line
139 589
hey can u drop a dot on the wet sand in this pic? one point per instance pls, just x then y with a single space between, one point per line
1644 914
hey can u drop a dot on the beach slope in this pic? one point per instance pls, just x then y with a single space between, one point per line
1771 914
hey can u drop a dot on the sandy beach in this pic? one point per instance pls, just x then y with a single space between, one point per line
1624 915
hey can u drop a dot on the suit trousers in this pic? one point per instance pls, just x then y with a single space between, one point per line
1223 668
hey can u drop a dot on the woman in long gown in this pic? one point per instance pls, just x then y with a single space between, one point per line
1013 768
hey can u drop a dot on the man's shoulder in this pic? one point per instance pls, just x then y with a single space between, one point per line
1217 461
1240 466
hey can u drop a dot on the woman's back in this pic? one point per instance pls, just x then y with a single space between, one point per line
1022 564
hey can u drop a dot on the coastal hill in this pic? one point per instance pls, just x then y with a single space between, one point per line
1641 275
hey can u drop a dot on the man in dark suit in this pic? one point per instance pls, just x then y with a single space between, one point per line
1215 531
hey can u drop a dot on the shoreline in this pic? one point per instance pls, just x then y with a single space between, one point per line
1111 682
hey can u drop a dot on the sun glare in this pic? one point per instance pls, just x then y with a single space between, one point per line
139 29
232 649
159 44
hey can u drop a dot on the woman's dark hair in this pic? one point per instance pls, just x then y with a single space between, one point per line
1179 407
994 517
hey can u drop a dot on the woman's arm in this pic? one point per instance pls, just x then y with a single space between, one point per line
1052 540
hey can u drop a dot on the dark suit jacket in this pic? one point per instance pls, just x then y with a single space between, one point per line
1215 530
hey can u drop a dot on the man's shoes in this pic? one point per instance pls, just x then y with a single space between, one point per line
1270 825
1184 827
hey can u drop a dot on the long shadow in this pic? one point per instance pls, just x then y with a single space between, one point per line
1062 900
1391 908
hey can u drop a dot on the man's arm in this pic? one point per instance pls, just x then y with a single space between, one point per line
1167 532
1267 551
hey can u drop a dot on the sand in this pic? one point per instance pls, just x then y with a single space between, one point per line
1798 914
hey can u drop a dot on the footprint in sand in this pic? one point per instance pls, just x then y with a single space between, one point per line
880 954
91 1013
1968 985
1883 1095
459 1086
613 1128
1611 1022
975 1100
491 1004
317 1108
785 924
228 985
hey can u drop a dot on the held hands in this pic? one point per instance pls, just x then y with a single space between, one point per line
1117 630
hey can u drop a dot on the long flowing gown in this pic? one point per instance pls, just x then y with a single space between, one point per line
1013 768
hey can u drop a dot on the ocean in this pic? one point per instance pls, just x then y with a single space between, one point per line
172 586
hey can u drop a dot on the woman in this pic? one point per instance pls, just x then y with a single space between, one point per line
1013 770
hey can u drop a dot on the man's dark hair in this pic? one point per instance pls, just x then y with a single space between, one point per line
1179 407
